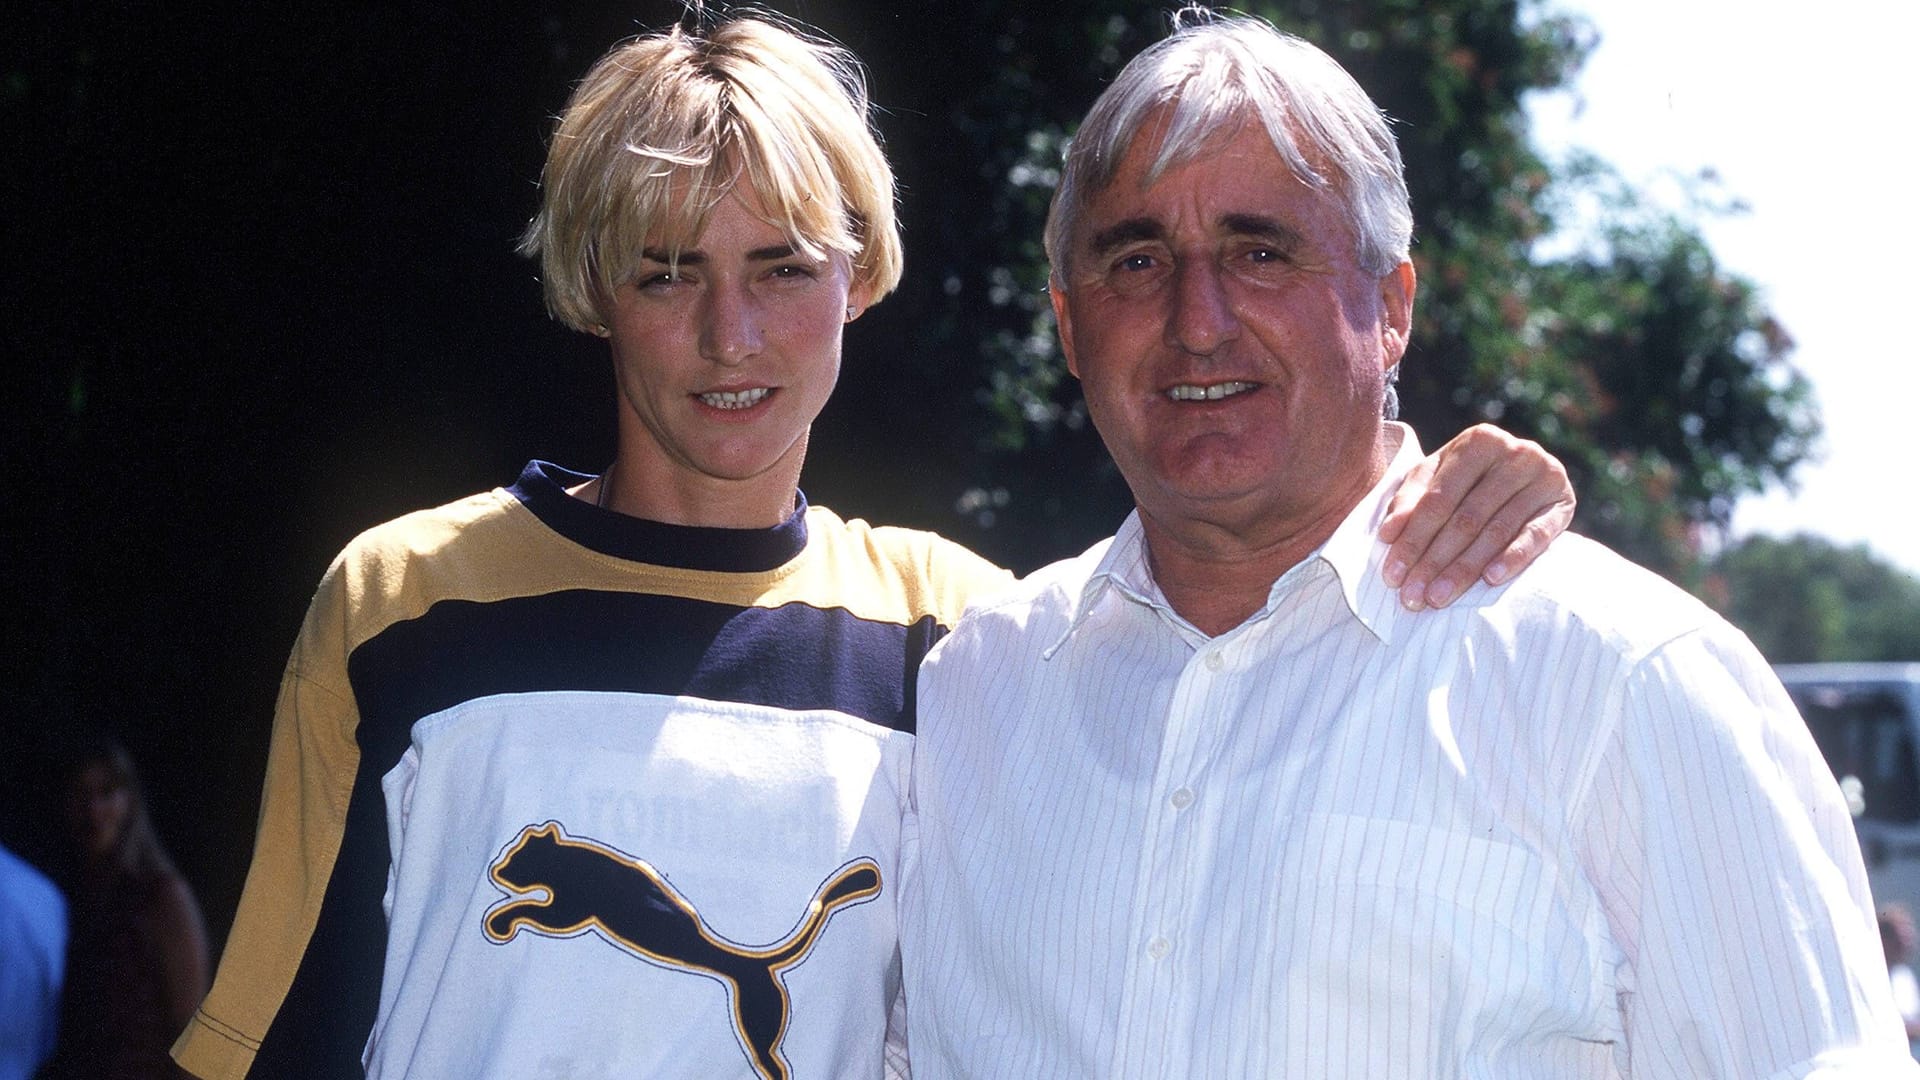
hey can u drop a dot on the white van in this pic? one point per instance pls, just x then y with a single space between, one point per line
1866 718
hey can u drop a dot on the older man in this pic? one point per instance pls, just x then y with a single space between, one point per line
1206 802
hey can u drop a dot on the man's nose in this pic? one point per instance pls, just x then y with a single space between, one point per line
730 326
1202 318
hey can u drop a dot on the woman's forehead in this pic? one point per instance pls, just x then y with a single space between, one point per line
736 214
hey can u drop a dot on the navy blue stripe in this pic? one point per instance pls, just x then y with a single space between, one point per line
792 657
542 489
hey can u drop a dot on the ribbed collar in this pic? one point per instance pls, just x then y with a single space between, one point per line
542 488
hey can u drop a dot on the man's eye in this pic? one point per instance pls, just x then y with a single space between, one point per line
1135 262
791 271
659 280
1264 256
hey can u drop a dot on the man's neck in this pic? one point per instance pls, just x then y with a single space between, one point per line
1216 582
1216 571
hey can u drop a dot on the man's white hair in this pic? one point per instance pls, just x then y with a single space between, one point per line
1213 74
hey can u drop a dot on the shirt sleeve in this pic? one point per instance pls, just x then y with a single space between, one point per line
1726 863
311 765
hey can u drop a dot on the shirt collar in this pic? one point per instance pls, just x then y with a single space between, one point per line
542 488
1353 552
1122 569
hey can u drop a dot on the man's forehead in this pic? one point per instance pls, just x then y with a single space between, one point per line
1237 184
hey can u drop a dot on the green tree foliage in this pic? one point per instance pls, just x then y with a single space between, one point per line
1807 599
1670 392
1657 376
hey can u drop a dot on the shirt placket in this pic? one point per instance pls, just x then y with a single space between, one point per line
1156 1015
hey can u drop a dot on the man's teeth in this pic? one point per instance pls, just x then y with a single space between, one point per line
1209 393
735 399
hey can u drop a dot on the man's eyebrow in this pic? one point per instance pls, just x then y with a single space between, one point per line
1123 233
769 254
1257 225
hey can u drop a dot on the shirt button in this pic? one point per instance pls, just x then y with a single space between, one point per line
1158 947
1215 662
1181 799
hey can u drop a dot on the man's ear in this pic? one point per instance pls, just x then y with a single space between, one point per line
1063 321
1396 313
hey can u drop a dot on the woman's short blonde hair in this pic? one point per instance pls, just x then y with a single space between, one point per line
663 127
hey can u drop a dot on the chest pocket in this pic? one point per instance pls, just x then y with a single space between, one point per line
1450 946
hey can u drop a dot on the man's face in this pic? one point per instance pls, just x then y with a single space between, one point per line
1231 350
724 359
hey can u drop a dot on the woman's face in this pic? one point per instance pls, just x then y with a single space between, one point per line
723 361
98 808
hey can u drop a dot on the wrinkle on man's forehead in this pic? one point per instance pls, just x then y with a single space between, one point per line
1241 224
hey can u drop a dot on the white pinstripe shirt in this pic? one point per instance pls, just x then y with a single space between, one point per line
1571 827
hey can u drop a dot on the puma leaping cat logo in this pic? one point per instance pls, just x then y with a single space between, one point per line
560 886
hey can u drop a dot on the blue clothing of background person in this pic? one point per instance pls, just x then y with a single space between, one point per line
33 949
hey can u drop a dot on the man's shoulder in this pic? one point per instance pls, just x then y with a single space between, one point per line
1582 586
1041 604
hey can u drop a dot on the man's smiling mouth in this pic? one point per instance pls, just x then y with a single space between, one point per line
1190 392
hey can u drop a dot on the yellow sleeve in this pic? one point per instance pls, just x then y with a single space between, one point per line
303 808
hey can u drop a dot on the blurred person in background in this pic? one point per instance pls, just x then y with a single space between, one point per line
1897 938
137 953
33 944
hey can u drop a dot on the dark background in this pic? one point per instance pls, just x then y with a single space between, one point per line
262 295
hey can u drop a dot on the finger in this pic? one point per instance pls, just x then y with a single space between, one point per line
1440 571
1530 544
1544 509
1495 506
1407 498
1467 456
1517 499
1514 535
1448 512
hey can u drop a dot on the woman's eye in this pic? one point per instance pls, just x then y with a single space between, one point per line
790 271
